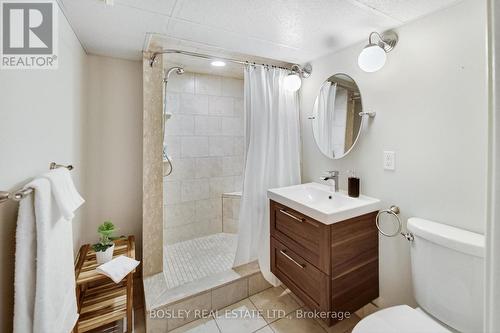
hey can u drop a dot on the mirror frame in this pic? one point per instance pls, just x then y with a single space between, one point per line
361 126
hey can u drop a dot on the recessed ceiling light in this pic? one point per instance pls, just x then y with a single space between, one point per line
218 63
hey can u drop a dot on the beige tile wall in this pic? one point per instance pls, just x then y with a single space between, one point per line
152 242
205 139
230 213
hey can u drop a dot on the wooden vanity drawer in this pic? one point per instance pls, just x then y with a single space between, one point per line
354 243
303 279
302 235
346 230
356 288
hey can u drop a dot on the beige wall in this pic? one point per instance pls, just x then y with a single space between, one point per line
41 117
431 104
87 113
113 153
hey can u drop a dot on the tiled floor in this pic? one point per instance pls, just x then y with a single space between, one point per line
272 310
198 258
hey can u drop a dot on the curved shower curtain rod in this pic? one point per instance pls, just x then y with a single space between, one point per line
304 72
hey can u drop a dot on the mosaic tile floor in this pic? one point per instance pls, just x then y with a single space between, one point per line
198 258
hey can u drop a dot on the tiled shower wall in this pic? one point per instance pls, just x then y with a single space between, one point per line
205 138
230 212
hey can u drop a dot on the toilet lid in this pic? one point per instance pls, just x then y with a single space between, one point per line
398 319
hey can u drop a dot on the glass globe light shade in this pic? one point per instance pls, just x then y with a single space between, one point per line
372 58
292 82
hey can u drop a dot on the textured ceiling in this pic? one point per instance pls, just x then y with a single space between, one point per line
287 30
198 65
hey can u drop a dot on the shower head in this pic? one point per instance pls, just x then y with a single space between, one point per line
176 69
179 71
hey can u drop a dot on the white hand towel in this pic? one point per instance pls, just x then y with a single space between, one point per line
45 300
67 197
118 268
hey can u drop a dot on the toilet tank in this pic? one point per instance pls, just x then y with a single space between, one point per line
448 273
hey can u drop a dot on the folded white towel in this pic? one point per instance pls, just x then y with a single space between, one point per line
45 300
118 268
67 197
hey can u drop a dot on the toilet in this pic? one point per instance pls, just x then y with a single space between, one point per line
447 271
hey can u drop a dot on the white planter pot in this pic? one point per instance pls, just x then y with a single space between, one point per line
104 257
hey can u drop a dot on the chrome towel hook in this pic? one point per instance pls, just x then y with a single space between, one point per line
394 211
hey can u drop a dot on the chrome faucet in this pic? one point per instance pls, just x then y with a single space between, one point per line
332 175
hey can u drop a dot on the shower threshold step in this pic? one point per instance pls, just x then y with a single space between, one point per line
157 294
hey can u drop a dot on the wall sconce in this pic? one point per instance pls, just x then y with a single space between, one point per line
293 80
373 56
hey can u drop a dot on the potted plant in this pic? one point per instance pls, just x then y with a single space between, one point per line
104 249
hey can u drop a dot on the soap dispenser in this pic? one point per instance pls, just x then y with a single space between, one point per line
352 184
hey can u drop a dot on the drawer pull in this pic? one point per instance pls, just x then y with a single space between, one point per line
291 216
291 259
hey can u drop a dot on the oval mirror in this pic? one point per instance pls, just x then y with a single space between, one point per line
335 120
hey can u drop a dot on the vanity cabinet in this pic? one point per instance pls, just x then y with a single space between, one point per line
331 268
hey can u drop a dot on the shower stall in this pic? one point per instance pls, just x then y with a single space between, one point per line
203 162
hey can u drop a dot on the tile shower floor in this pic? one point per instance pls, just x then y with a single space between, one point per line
197 258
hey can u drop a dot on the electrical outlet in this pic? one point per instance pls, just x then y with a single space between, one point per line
389 160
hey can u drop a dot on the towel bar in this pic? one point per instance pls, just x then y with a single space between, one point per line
19 194
54 165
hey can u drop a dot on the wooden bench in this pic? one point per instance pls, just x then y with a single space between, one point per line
101 302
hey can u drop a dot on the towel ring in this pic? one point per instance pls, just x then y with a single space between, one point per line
394 211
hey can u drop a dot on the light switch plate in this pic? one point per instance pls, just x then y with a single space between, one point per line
389 160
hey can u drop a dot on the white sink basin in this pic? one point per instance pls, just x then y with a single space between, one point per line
320 203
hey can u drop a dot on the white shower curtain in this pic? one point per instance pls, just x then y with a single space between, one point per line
272 160
339 121
329 125
324 110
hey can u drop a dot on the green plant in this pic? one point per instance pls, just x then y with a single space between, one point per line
105 240
98 247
